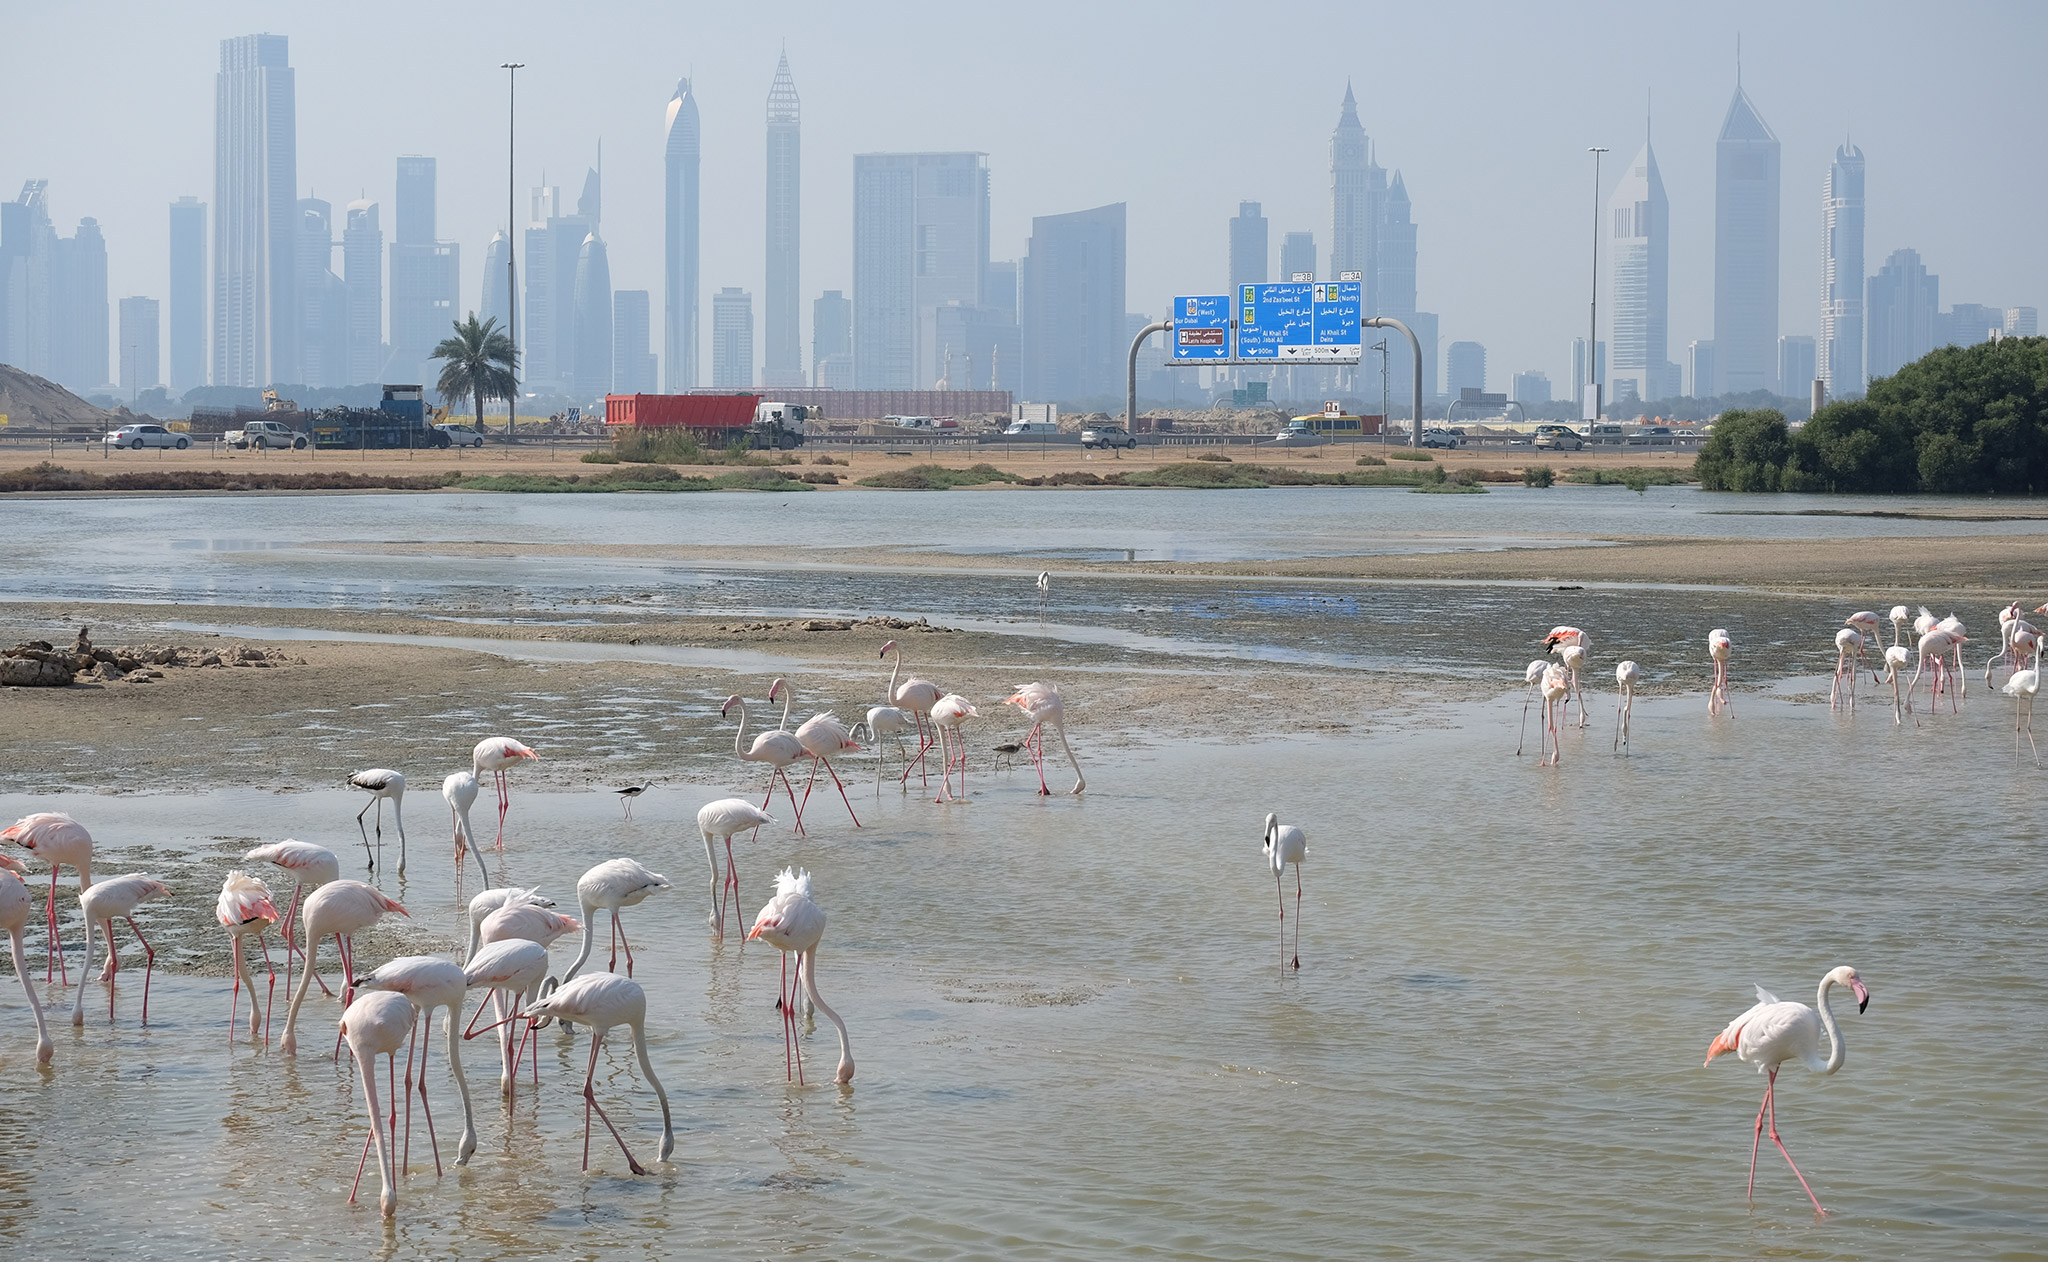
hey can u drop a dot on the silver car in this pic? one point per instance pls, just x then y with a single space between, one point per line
136 437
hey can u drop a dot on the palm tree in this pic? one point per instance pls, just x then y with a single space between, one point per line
480 364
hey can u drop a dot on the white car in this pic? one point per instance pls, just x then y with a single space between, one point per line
461 435
136 437
265 434
1294 436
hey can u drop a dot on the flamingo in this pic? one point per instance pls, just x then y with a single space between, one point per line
460 789
1899 616
340 910
1848 646
1894 663
631 791
244 909
309 865
1954 626
2022 640
115 896
822 736
918 696
611 885
429 982
488 901
604 1001
889 721
725 818
1532 676
57 840
1044 590
498 755
2021 688
1042 705
16 904
1933 643
382 783
1772 1033
378 1024
531 921
793 923
1556 686
1284 844
948 714
1560 639
1626 676
1719 646
514 967
778 749
1573 656
2008 620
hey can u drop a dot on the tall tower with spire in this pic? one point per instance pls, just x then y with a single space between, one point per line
1840 361
1358 189
679 253
1639 239
1745 249
782 361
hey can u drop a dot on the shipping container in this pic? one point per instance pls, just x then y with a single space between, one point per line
682 411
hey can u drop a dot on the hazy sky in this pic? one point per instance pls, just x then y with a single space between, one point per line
1181 110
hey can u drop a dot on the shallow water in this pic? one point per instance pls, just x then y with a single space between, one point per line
1074 1034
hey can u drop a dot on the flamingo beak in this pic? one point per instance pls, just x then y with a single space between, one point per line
1862 993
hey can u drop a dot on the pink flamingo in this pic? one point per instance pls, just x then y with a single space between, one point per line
16 905
460 790
57 840
487 901
726 818
778 749
1848 654
1532 676
429 982
1559 641
1895 665
823 737
1556 687
1772 1033
917 696
948 714
604 1001
514 968
1934 643
116 896
1719 646
612 886
338 910
244 909
793 923
309 865
1042 705
378 1024
498 755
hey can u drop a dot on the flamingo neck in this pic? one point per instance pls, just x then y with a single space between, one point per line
845 1071
588 918
44 1047
668 1131
1837 1050
452 1026
739 738
787 698
891 697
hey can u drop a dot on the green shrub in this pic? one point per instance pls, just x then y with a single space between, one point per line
1204 477
1214 457
600 457
1747 452
1370 460
655 446
1634 477
1539 475
1400 454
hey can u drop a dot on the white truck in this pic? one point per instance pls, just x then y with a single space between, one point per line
261 434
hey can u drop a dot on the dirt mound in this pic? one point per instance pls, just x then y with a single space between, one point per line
27 399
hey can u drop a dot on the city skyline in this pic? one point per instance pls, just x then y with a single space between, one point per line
1505 270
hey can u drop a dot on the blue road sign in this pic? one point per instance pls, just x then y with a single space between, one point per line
1271 318
1201 327
1338 335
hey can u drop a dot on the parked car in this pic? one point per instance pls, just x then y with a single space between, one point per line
1298 434
1030 429
1557 438
1107 436
1603 433
1652 434
136 437
461 435
265 434
1434 437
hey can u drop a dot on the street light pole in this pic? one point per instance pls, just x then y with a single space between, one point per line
1593 323
512 69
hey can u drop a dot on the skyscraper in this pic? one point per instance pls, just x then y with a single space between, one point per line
1639 226
732 339
1000 294
1358 186
1968 323
1579 377
28 248
1464 368
1249 242
255 213
979 347
2023 322
188 294
832 341
1699 372
322 297
1840 350
1395 288
679 256
426 276
138 345
1796 365
1899 309
920 241
362 276
78 310
1297 254
1071 306
592 376
633 362
782 360
497 302
1745 250
1530 387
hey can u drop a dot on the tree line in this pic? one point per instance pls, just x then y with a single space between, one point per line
1962 420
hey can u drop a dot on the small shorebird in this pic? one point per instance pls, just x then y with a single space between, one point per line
631 791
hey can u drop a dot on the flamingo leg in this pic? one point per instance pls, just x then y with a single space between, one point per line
783 1003
56 952
590 1103
621 929
848 800
1297 916
235 995
149 960
1770 1098
1282 900
1522 737
412 1043
270 998
1757 1140
426 1049
2030 732
796 980
1037 742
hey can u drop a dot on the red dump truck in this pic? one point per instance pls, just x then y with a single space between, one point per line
714 419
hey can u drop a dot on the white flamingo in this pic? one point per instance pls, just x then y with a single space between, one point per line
823 738
1895 659
310 866
378 1024
340 910
1772 1033
16 905
778 749
948 714
1848 655
383 784
1532 677
612 885
430 982
487 901
498 755
793 924
511 972
726 818
2021 688
1719 647
1286 844
115 897
1556 687
245 910
1626 676
885 721
604 1001
917 696
460 789
1041 704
